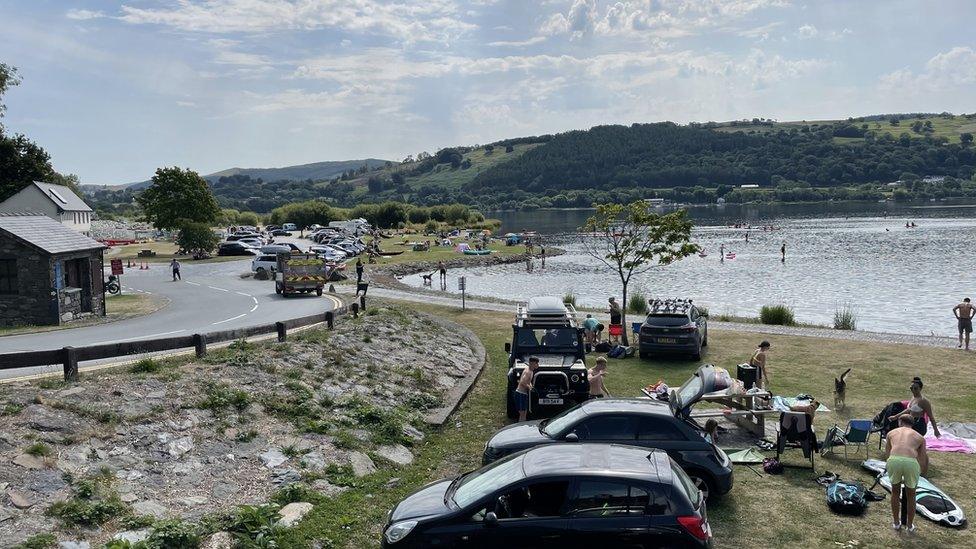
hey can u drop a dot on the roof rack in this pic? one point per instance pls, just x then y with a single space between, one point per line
674 305
546 312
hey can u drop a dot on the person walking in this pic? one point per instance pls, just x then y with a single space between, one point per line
359 270
907 461
443 271
721 253
175 265
782 250
758 361
918 408
542 255
524 388
964 313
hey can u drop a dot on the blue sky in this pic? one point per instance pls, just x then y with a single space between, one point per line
114 90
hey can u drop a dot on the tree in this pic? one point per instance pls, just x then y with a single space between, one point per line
197 238
630 239
8 79
398 179
966 139
177 197
374 185
21 163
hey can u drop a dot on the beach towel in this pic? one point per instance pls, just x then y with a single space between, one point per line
948 443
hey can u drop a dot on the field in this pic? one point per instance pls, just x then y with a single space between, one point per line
948 127
786 510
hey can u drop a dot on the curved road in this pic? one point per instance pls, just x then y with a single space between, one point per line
211 297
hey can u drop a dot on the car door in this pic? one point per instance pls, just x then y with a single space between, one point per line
609 428
530 515
661 432
617 513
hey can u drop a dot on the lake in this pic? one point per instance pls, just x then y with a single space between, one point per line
850 254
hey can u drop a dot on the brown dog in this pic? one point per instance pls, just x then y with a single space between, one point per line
840 391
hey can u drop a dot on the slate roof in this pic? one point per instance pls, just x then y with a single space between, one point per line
46 234
70 203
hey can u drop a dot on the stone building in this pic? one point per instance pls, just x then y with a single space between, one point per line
49 273
55 201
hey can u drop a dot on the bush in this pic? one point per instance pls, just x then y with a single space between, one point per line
173 533
145 366
39 449
845 318
569 298
777 314
637 302
219 397
40 541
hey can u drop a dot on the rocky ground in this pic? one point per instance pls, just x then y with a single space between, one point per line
120 229
114 453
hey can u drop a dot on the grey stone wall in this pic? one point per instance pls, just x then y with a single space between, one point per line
34 303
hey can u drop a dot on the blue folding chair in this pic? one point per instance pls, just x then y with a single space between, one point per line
858 433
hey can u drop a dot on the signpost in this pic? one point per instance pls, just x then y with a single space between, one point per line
117 271
461 286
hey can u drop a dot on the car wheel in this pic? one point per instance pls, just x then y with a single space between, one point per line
318 292
259 270
642 355
696 356
703 483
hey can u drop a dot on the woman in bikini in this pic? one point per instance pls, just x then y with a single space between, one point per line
918 407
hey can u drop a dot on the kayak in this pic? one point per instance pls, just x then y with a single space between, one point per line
930 502
469 251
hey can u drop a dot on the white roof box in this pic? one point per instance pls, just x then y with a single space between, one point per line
546 305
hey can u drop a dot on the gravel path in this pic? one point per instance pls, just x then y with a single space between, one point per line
449 299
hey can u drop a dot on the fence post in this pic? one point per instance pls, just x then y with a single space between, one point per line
330 319
362 302
355 310
70 364
200 344
282 331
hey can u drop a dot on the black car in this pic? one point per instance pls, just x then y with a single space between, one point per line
673 326
234 248
570 496
638 422
280 232
241 236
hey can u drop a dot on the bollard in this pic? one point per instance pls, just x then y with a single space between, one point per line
200 345
362 303
331 288
330 320
355 310
282 331
70 364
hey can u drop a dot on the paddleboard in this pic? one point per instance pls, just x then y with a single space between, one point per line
930 502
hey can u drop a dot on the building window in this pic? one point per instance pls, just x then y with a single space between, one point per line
8 276
73 272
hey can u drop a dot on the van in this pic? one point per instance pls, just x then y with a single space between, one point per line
289 227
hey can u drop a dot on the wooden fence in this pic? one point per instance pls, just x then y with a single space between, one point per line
69 357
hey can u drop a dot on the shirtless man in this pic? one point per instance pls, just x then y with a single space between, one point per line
964 316
907 460
595 375
524 388
758 361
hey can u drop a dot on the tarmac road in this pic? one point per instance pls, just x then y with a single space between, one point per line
211 297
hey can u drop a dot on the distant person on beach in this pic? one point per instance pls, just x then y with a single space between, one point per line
758 361
964 313
747 236
443 271
542 255
175 265
721 253
782 251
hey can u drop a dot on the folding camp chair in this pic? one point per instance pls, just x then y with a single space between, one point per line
796 431
858 433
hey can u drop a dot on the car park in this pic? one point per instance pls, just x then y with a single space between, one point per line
572 496
635 421
282 247
673 327
280 232
234 248
547 329
264 263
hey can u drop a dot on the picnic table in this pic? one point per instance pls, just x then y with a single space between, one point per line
743 409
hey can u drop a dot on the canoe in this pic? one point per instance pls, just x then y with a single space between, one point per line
476 252
930 502
388 254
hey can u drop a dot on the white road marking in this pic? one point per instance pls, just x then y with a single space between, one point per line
243 294
193 283
218 289
229 319
147 336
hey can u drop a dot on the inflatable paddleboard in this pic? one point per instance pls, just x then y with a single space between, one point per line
930 502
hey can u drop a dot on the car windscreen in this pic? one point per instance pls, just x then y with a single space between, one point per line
560 423
547 339
684 484
483 482
667 320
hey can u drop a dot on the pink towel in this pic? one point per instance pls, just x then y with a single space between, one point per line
947 443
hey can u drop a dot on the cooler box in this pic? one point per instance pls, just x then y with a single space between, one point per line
747 375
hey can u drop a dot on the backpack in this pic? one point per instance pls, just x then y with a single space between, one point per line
616 352
772 466
602 347
846 497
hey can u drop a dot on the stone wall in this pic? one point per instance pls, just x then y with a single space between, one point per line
34 304
90 300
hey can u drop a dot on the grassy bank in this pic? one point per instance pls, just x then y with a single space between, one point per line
436 253
165 252
779 510
117 307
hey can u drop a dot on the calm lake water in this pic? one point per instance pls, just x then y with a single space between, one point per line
857 254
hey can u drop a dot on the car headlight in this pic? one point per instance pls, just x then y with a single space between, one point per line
399 530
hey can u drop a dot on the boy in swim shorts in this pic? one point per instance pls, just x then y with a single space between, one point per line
907 461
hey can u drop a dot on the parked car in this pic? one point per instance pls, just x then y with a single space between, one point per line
280 232
270 228
289 227
638 422
280 247
234 248
567 495
241 236
252 241
264 262
673 326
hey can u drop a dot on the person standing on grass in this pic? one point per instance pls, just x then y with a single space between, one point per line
964 313
524 388
359 270
595 377
175 265
758 361
615 317
907 461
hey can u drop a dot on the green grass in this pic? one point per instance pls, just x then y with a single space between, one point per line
779 510
436 253
950 128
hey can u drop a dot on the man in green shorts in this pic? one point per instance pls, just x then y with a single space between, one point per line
907 461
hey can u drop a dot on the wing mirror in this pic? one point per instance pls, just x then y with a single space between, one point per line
571 437
491 519
508 348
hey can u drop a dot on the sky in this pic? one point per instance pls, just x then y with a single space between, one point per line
115 90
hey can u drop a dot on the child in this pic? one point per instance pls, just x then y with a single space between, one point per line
711 431
595 376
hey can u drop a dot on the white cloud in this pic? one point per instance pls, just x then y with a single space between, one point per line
518 43
806 32
578 22
83 15
187 104
946 71
429 21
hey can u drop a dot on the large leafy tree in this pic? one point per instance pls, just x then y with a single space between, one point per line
197 238
630 239
178 197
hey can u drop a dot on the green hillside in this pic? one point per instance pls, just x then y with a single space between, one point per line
940 125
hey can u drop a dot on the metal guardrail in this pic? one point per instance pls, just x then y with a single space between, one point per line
69 357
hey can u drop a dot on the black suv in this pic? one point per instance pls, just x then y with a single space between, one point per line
674 326
547 329
571 496
634 421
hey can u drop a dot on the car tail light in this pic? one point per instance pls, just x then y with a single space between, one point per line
689 329
695 526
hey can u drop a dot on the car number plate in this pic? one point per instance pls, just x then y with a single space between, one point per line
550 401
666 340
